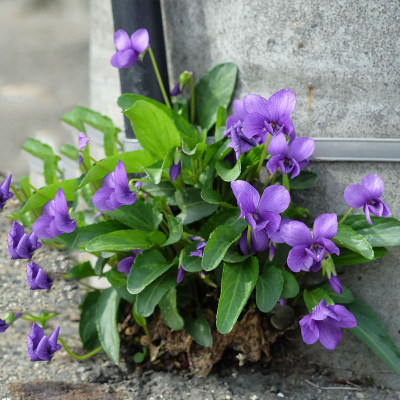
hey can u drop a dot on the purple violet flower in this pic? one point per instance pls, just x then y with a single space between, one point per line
199 250
309 249
41 347
175 170
336 286
36 277
269 116
262 214
239 142
21 245
176 91
126 263
282 302
115 191
5 193
180 275
325 323
367 195
289 158
129 48
3 322
55 218
83 141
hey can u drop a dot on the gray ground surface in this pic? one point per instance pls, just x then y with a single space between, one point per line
289 376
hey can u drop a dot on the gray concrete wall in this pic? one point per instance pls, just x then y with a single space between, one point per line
342 60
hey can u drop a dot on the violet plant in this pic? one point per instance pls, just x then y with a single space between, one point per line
188 219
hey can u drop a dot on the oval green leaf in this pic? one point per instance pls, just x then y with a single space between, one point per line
269 288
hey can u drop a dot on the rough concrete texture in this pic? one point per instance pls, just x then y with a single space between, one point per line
340 60
44 73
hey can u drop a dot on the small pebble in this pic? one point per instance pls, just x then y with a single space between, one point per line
280 394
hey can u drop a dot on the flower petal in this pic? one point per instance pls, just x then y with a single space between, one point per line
239 109
274 198
273 220
325 226
330 247
122 40
282 102
125 265
273 163
101 199
45 227
255 103
309 330
259 240
140 40
230 121
278 145
374 184
298 259
301 148
329 334
346 318
253 125
335 284
124 58
296 233
356 196
249 202
386 210
122 192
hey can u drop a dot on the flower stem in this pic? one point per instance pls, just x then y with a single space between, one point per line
346 215
249 239
191 100
16 193
160 83
92 353
271 179
285 182
263 155
95 161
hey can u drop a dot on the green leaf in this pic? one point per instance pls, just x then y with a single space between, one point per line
162 189
100 264
138 215
107 323
269 288
226 172
347 237
147 299
82 235
153 128
87 323
219 242
141 321
343 298
81 271
214 89
193 207
69 151
223 217
170 311
372 332
134 162
238 281
199 329
290 286
306 180
383 234
232 256
49 170
125 240
358 221
82 115
313 297
116 278
154 171
140 356
175 230
47 193
148 266
191 263
124 294
38 149
222 115
348 257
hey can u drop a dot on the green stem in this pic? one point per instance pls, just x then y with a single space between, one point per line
264 153
92 353
346 215
192 100
160 83
271 179
249 239
37 191
285 182
95 161
29 319
16 193
139 180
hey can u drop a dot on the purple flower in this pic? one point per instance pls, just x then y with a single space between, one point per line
115 191
55 218
184 80
199 250
309 249
180 275
239 142
175 170
335 284
5 323
129 48
40 347
36 277
83 141
176 90
282 302
21 245
5 193
289 158
325 323
125 264
367 195
262 214
269 116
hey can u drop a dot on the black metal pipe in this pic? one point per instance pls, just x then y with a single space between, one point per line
131 15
